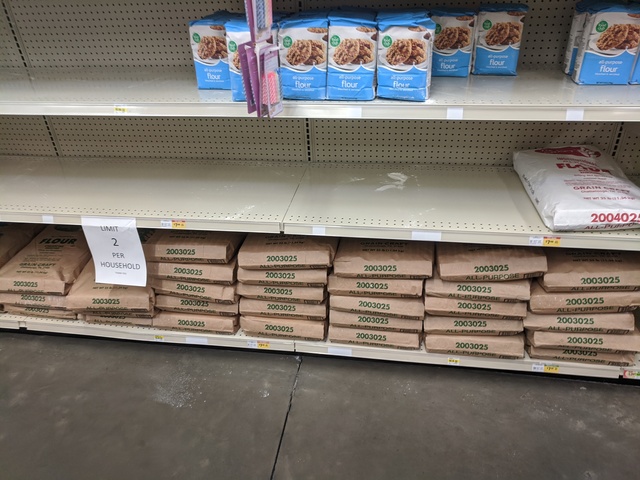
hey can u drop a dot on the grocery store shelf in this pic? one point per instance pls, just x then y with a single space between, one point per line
533 95
240 340
218 195
457 203
422 356
145 334
9 322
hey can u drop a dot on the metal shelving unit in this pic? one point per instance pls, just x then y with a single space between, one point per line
100 115
534 95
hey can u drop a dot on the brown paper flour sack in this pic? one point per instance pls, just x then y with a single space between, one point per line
283 328
312 277
190 246
212 292
492 263
284 277
362 258
478 294
373 322
508 346
471 326
171 303
49 264
222 273
14 237
196 323
290 252
116 319
58 302
408 308
582 356
544 302
45 312
88 296
375 287
597 342
580 270
387 339
610 323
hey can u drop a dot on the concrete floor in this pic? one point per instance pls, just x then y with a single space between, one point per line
73 408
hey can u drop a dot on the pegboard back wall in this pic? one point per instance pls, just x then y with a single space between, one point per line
25 135
628 155
446 142
203 138
71 33
9 51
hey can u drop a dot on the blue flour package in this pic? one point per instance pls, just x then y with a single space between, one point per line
575 34
209 47
498 36
353 36
453 43
405 41
609 45
303 57
237 34
635 74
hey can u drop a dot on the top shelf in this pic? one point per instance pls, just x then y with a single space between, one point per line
170 92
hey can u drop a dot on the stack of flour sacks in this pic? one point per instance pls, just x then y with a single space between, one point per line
581 309
376 292
38 273
282 284
476 302
194 277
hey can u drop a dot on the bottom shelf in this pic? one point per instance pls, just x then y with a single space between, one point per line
240 340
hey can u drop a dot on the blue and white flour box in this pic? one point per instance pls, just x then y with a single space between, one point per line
209 47
498 38
237 34
353 44
303 42
454 40
405 42
609 45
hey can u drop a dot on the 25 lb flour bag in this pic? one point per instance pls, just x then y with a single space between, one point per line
578 188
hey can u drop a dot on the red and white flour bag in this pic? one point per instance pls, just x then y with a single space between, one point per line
578 188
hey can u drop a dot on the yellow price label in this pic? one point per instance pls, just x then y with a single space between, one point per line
158 338
551 369
179 224
119 110
453 361
551 242
264 345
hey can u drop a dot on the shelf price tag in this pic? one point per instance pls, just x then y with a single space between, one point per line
542 368
453 361
343 352
258 344
120 110
158 338
197 340
455 113
631 374
178 224
116 250
574 114
539 241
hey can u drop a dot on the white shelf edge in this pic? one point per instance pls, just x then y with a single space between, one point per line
531 96
149 334
240 340
423 357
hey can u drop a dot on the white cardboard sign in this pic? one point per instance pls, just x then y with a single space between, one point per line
116 250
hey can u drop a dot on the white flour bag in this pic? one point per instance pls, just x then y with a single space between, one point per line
578 188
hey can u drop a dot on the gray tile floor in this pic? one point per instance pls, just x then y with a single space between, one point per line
76 408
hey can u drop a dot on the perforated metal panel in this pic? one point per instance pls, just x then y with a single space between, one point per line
9 51
212 138
628 152
25 136
475 143
545 33
70 33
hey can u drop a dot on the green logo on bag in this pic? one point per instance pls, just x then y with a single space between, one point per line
232 46
438 28
335 41
387 41
287 42
196 38
487 24
602 26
